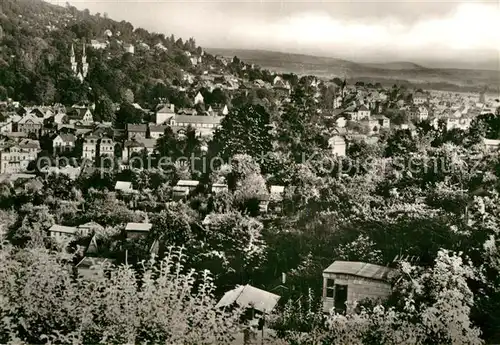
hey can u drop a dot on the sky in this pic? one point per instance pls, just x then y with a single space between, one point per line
439 33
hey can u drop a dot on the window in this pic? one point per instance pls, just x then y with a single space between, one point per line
330 288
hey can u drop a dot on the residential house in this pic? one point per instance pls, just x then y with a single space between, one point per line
156 131
62 233
137 146
204 125
16 156
338 145
81 116
90 147
346 282
419 114
383 121
106 147
137 230
164 113
30 123
198 99
419 98
362 113
63 143
136 131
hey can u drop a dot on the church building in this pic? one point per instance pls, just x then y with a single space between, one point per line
80 73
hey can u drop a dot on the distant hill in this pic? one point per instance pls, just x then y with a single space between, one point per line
391 72
397 65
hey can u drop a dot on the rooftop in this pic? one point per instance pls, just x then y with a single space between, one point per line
63 229
138 227
249 296
360 269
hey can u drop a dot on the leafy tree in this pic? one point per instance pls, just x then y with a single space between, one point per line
127 114
104 110
244 131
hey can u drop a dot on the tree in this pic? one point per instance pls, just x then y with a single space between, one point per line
173 226
127 96
235 245
44 91
104 110
244 131
127 114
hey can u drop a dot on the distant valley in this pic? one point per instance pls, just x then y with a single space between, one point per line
386 73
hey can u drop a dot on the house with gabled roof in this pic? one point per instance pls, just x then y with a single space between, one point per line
30 123
198 99
164 112
63 142
80 116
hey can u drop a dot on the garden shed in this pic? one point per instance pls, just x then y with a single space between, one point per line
345 282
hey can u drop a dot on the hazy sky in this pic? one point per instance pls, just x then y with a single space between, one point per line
360 30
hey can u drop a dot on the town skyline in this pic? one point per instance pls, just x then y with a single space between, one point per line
445 34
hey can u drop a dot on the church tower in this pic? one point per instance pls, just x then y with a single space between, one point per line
85 65
74 65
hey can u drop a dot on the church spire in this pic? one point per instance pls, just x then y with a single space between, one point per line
85 65
74 65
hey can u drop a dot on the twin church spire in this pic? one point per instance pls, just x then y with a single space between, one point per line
84 70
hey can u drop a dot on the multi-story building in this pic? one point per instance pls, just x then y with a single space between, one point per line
30 123
16 156
361 113
90 147
106 147
202 124
64 143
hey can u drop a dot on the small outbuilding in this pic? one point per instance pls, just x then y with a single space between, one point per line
346 282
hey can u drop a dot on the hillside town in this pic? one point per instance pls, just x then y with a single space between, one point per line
151 192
